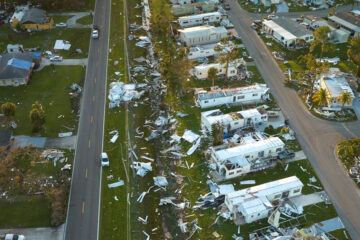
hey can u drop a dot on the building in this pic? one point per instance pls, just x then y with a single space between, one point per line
193 8
335 84
32 19
235 161
202 35
208 50
201 71
287 32
268 3
254 203
16 68
235 120
14 48
199 19
220 97
346 21
181 2
315 22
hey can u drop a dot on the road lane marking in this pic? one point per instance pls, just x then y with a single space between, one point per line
95 79
86 173
93 98
92 119
97 64
98 50
83 208
89 143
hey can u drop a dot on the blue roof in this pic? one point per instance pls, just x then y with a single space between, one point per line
18 63
36 54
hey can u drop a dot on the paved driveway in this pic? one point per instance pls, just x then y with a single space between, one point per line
37 233
65 62
71 22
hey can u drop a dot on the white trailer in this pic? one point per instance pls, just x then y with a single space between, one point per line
199 19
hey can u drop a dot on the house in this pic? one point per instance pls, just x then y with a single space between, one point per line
14 48
287 31
193 8
335 84
201 71
268 3
254 203
252 154
199 19
235 120
16 68
32 19
243 95
347 21
315 22
202 35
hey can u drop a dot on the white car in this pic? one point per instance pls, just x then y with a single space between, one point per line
56 59
11 236
95 34
105 160
61 25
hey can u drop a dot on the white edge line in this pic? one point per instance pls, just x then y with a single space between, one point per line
77 135
102 143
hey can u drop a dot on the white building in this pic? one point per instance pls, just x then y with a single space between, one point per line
236 161
202 35
201 71
181 2
256 202
235 120
287 31
14 48
199 19
347 21
243 95
335 84
270 2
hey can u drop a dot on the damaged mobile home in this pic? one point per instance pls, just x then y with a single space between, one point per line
257 202
242 95
235 120
202 35
234 69
255 153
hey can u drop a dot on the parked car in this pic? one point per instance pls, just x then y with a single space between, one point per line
286 154
105 160
56 59
227 7
61 25
11 236
95 33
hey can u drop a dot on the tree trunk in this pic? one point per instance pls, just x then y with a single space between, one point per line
226 71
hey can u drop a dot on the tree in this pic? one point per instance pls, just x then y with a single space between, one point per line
37 116
212 75
217 133
228 52
8 109
354 53
301 42
321 97
332 12
321 36
344 98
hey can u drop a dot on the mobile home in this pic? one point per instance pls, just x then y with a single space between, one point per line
202 35
199 19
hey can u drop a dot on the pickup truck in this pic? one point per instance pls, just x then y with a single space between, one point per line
286 154
95 32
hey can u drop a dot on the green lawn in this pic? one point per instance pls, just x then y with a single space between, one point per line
51 87
61 18
85 20
45 40
33 212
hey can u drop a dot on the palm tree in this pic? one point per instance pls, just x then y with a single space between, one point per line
321 36
344 98
8 109
321 97
37 116
354 53
212 75
227 53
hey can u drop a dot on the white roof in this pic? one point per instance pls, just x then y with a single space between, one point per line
280 30
244 149
337 84
197 16
62 45
345 23
214 116
200 31
254 199
254 112
18 15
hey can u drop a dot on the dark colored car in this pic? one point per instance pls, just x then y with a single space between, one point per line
227 7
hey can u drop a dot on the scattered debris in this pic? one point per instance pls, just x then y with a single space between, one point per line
116 184
120 92
190 136
65 134
247 182
142 168
160 181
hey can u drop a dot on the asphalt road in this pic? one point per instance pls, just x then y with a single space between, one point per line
84 205
317 137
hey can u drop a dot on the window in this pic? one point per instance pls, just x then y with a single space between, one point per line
252 216
261 154
232 71
231 173
263 117
255 94
206 101
241 97
247 156
278 149
238 171
236 123
296 190
307 38
277 196
258 214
